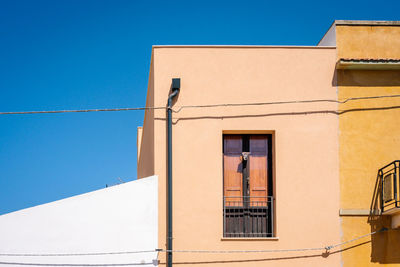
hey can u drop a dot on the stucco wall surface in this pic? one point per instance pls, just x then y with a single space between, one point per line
145 135
305 148
368 41
115 219
369 131
369 138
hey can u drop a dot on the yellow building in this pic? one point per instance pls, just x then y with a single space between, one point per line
267 156
368 65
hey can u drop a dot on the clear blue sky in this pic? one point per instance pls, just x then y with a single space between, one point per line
96 54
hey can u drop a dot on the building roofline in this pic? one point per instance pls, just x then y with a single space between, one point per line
332 25
244 46
360 23
366 22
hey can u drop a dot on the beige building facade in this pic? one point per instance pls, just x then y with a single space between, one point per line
274 123
304 140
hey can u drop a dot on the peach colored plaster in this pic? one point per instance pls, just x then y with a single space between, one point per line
145 164
305 148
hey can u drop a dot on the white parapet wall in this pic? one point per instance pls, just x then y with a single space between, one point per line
121 218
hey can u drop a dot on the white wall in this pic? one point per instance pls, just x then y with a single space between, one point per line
329 38
118 218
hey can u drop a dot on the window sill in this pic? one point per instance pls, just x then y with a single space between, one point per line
250 239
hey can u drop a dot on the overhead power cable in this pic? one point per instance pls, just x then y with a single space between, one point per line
203 106
141 263
75 254
326 249
77 264
77 110
289 102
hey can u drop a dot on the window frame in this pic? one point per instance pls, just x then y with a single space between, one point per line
271 194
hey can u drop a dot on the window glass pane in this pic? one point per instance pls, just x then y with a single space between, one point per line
232 144
258 144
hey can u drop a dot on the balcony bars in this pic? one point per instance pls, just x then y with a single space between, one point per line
248 216
389 187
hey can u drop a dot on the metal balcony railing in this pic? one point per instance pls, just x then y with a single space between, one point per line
248 216
388 177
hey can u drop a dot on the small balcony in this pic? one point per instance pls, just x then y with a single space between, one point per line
248 216
388 178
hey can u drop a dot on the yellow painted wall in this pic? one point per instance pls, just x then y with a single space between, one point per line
369 138
305 148
368 41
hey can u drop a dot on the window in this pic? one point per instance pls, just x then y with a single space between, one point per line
248 193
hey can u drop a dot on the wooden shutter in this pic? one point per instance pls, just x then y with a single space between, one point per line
233 182
258 162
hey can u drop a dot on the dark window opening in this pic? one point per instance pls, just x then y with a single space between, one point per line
248 191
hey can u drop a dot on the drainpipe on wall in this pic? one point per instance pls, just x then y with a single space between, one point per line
175 87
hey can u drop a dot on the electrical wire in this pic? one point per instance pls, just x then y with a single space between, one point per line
242 251
75 254
289 102
76 264
366 97
357 238
204 106
326 248
77 110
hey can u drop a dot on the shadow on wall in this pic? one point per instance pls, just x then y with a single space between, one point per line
384 246
235 259
176 120
145 161
361 78
366 78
